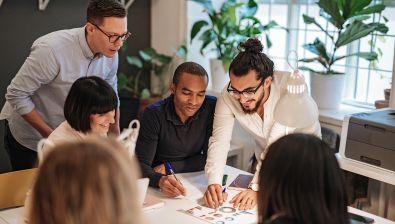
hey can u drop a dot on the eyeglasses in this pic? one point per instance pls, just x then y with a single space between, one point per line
114 38
248 94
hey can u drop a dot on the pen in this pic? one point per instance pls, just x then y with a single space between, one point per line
224 179
170 168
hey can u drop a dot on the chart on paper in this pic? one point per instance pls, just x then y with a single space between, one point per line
225 214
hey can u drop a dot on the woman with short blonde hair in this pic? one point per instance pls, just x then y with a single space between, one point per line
92 181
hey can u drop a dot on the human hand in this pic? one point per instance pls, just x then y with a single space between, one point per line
213 197
171 187
160 169
245 200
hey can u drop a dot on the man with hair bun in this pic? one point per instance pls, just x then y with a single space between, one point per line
250 98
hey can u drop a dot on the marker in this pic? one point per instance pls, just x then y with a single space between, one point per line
224 179
170 168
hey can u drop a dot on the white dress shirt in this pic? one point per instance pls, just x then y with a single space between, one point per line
264 130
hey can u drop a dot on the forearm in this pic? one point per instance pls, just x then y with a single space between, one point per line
149 172
38 123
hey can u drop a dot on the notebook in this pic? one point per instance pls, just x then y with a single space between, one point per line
14 186
241 182
147 201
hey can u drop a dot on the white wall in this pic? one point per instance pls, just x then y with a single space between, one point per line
168 32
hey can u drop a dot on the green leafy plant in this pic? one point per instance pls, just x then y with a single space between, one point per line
349 17
226 28
147 60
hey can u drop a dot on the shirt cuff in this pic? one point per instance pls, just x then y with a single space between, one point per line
214 179
154 179
26 108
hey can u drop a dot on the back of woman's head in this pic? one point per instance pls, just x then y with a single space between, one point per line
251 58
86 182
301 179
87 96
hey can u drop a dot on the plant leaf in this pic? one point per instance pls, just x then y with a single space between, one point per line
182 51
370 56
355 31
207 37
122 81
371 9
331 8
308 60
147 54
197 27
271 24
352 7
381 27
310 20
317 48
249 9
207 4
133 60
268 41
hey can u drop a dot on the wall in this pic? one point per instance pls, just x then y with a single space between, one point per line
21 23
168 32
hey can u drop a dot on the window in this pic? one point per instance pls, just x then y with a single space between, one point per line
364 82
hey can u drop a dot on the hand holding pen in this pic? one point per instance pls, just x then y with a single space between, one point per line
170 185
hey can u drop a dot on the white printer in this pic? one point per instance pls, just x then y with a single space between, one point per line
367 144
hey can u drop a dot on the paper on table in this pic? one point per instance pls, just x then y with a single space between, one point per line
225 214
194 185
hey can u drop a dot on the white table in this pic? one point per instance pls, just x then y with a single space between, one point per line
169 213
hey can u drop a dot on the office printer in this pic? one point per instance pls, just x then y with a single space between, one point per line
369 138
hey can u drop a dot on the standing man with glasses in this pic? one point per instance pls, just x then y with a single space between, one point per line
35 97
250 98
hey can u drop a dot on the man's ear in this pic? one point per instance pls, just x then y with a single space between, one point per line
267 82
89 27
172 88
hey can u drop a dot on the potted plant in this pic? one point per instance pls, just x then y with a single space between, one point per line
350 20
148 61
225 29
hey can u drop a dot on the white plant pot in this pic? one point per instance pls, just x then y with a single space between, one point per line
219 78
327 90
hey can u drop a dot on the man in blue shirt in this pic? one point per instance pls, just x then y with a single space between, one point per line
177 130
36 95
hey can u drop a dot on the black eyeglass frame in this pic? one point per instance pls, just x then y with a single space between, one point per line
123 37
237 94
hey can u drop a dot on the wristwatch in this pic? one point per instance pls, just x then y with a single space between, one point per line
253 186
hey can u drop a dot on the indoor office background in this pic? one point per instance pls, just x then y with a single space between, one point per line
22 22
165 25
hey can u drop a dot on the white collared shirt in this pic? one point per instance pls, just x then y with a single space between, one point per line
264 131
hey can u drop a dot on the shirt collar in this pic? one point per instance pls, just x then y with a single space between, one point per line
84 44
171 115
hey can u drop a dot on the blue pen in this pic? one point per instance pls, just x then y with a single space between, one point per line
170 168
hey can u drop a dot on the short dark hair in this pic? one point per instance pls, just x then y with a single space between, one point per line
190 68
301 180
251 58
99 9
87 96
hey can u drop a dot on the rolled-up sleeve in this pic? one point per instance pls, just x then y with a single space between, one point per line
219 142
40 68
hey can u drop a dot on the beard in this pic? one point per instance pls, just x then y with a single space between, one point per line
257 105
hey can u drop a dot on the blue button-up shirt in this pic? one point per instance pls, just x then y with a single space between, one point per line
56 60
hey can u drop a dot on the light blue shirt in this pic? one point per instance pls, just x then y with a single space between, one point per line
56 60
